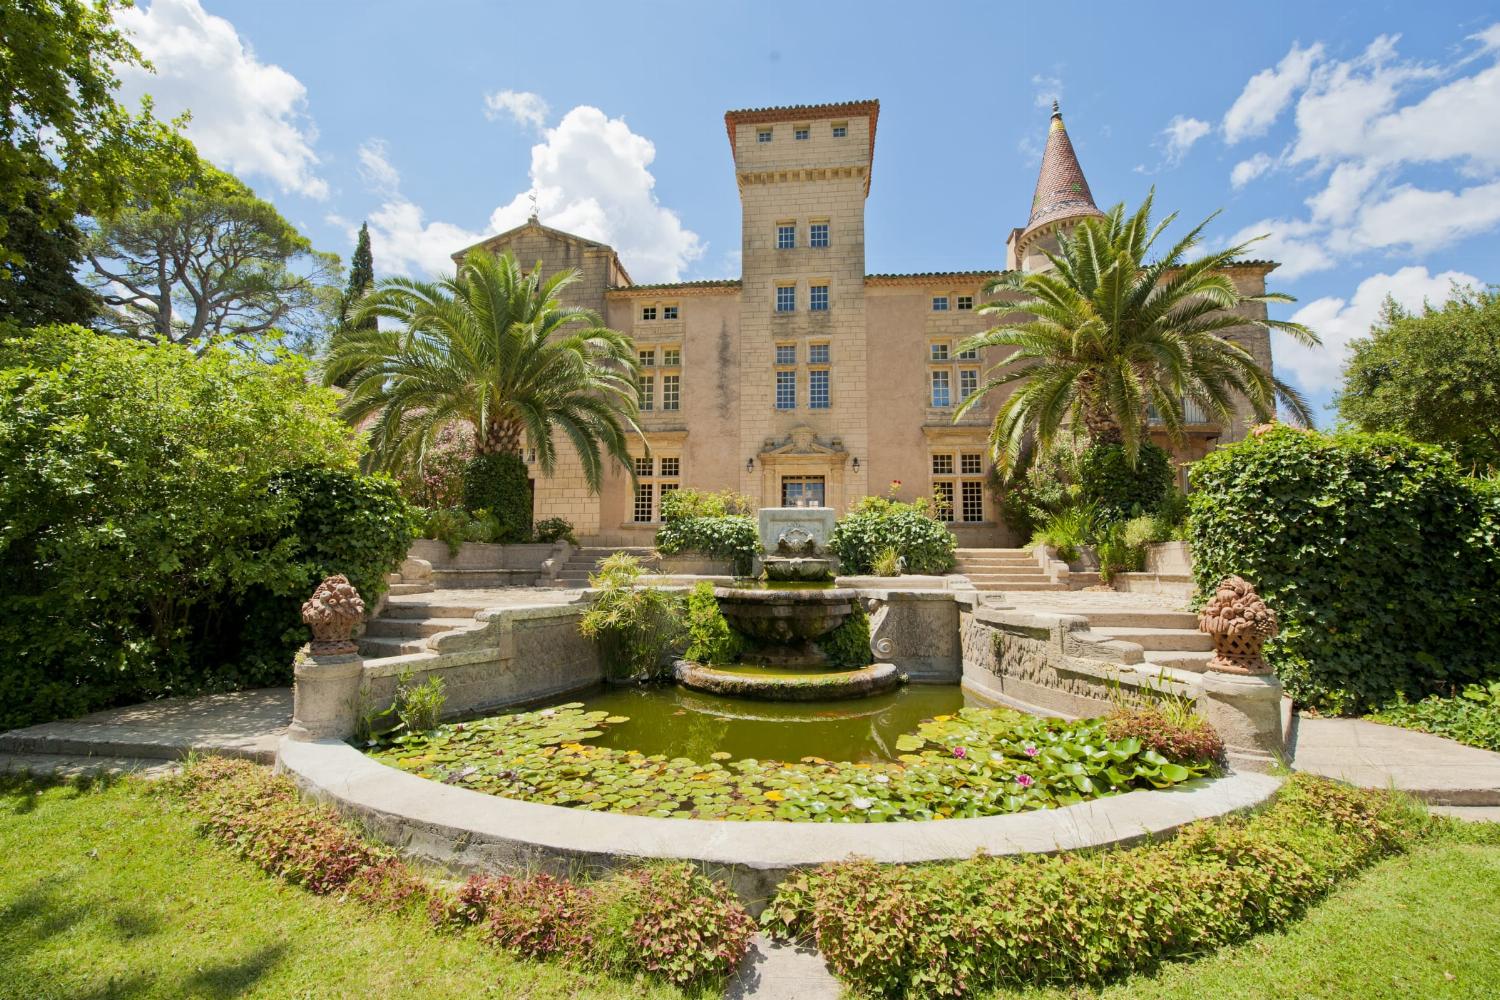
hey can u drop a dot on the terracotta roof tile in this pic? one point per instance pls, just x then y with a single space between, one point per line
1062 192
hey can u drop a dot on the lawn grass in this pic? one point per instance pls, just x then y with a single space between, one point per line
1424 924
106 891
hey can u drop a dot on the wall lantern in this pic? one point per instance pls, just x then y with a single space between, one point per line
749 465
856 463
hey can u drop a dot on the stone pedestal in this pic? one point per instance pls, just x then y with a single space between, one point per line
325 695
1245 709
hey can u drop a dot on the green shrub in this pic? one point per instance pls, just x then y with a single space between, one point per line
164 516
887 563
710 639
554 529
500 484
966 927
848 646
1045 483
725 536
876 524
1066 531
1117 490
1115 553
1472 716
683 504
1377 554
634 624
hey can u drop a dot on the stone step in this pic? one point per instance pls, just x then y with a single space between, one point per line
411 627
1142 618
999 579
994 588
1160 638
397 589
475 579
426 609
961 552
375 647
1194 661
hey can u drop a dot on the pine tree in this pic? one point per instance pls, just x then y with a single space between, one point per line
361 277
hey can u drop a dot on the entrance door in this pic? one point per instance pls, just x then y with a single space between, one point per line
802 491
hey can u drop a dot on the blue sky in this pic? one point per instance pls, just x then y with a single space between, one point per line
1362 136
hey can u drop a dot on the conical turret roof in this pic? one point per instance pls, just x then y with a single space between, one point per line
1062 192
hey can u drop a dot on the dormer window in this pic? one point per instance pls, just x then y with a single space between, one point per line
763 135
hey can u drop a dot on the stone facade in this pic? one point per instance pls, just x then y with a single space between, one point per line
867 365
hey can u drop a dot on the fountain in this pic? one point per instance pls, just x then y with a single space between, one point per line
784 617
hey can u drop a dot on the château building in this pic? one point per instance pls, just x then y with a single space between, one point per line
808 379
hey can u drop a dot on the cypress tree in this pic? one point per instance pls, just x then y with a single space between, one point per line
361 275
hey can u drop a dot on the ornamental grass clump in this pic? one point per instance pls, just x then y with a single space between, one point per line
954 929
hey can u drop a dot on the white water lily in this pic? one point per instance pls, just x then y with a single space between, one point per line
860 802
884 779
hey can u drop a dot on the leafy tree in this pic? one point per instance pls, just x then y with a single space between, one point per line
361 276
37 286
215 264
1110 334
1433 376
495 348
67 147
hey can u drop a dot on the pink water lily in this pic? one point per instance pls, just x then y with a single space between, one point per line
960 753
1030 750
1024 780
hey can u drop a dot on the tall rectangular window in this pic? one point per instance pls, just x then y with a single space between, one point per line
648 312
786 354
817 234
965 303
644 495
817 389
942 395
968 381
648 392
786 237
668 312
943 493
817 298
817 354
671 392
786 390
786 298
972 506
939 303
671 357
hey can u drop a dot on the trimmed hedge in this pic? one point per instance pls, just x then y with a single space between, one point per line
500 484
959 928
876 524
731 536
1380 557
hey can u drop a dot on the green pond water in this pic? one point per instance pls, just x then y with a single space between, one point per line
681 723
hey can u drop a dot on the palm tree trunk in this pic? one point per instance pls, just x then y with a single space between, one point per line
499 437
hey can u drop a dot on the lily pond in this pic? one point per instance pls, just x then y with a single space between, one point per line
916 754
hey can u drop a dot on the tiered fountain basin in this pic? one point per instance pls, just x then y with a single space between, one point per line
774 684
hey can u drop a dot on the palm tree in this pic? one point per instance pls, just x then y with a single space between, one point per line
1108 335
494 347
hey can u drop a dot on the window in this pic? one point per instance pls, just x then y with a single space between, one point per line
648 312
802 491
671 392
969 464
670 467
786 298
970 355
941 390
943 493
942 465
786 390
968 381
972 507
763 135
817 354
786 354
817 389
938 352
786 237
648 392
643 466
840 130
965 303
817 234
940 303
671 357
648 358
668 312
643 505
817 298
801 132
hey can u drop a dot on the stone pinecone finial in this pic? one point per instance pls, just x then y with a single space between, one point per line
332 612
1240 624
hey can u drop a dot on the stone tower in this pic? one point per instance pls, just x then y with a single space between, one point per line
1062 198
803 174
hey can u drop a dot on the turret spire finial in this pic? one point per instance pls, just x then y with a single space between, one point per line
1056 111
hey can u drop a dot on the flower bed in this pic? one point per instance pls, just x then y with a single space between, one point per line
978 762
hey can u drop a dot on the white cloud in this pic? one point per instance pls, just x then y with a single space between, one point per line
1180 135
522 105
1296 245
1048 89
1246 171
1337 322
1425 220
1338 113
1268 93
1341 198
247 116
591 177
376 169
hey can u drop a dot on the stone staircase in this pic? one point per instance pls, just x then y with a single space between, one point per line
1003 569
407 624
575 572
1169 639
